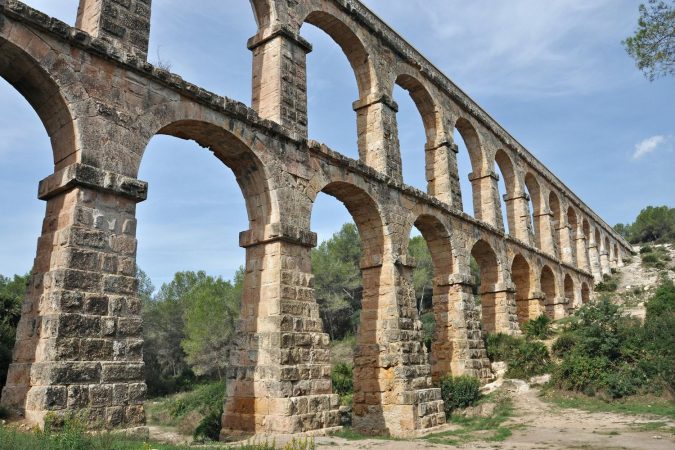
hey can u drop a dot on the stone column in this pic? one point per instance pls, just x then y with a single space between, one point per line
566 239
594 257
280 78
498 305
79 341
378 134
278 380
604 263
532 307
486 198
441 171
123 23
619 259
558 307
519 216
393 391
458 346
544 224
583 261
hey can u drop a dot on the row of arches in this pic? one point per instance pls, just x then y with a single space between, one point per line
530 209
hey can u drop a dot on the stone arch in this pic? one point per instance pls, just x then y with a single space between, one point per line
437 237
473 143
521 275
549 288
554 205
534 192
617 255
262 13
351 45
425 105
505 165
586 227
568 286
248 169
40 86
489 269
585 293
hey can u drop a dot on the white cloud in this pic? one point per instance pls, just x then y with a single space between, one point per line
650 145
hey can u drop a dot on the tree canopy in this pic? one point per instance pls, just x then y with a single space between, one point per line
653 224
653 44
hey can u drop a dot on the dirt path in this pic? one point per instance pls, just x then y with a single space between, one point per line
540 425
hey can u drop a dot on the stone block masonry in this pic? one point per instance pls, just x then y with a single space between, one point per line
79 347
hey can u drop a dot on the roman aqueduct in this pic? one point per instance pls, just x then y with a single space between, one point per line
79 343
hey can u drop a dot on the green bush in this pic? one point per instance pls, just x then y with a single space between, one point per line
646 249
459 392
603 351
539 328
650 258
342 377
606 286
524 358
564 344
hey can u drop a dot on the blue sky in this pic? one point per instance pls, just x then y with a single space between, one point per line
553 73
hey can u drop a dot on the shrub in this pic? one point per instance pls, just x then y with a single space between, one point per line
4 412
528 359
578 372
342 377
459 392
564 344
523 358
606 286
499 346
539 328
646 249
650 258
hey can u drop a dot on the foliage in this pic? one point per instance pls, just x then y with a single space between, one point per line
428 328
423 274
539 328
337 280
196 412
212 308
342 377
603 351
12 293
459 392
653 224
653 44
524 358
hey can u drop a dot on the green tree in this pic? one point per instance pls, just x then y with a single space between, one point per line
211 310
12 293
337 280
653 44
423 274
654 223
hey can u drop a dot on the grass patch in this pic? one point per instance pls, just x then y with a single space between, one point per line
196 412
489 429
654 426
635 405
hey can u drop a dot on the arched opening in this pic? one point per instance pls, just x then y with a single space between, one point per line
488 269
573 223
554 204
534 193
617 256
506 187
188 244
568 285
548 287
38 122
608 251
521 275
330 112
585 293
432 251
175 45
415 140
469 163
349 283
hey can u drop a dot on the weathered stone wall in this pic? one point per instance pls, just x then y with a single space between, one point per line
79 346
